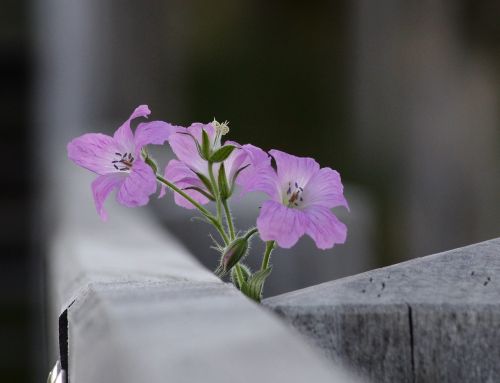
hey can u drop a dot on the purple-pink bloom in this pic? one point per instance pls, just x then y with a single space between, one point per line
118 162
184 170
301 196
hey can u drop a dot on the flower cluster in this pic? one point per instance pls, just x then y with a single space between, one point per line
300 194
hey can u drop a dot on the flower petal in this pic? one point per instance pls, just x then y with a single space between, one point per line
260 175
154 132
124 135
325 189
324 227
281 224
102 186
139 184
236 160
184 146
178 173
95 152
293 169
196 127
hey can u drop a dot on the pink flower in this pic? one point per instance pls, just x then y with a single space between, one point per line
301 196
117 160
188 170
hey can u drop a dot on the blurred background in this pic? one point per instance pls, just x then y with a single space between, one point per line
401 97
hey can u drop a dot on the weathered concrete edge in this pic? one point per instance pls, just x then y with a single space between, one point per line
296 307
278 299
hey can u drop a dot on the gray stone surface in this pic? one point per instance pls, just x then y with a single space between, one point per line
140 308
432 319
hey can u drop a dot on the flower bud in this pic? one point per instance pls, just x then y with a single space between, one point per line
233 253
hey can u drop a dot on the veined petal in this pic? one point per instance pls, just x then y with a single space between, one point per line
325 189
184 146
281 224
139 184
236 160
324 227
260 175
95 152
154 132
293 169
124 136
183 177
101 187
196 127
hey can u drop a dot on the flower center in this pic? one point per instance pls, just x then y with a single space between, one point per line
293 197
123 162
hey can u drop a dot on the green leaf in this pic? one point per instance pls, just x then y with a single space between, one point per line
205 145
206 182
222 153
224 190
254 285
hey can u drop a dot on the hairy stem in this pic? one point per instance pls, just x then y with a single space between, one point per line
213 220
239 275
251 232
229 219
267 255
216 191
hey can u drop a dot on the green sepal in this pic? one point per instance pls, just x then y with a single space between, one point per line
205 145
254 285
224 190
206 182
201 191
221 154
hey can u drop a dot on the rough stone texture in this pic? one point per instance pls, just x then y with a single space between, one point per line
139 308
432 319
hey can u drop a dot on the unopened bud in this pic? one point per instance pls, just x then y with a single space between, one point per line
233 253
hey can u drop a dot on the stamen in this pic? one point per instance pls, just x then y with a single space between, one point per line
295 198
125 159
221 128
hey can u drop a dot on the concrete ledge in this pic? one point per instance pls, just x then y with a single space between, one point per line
432 319
135 306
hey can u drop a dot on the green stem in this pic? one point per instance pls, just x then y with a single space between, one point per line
205 212
229 219
216 191
251 232
267 255
239 275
